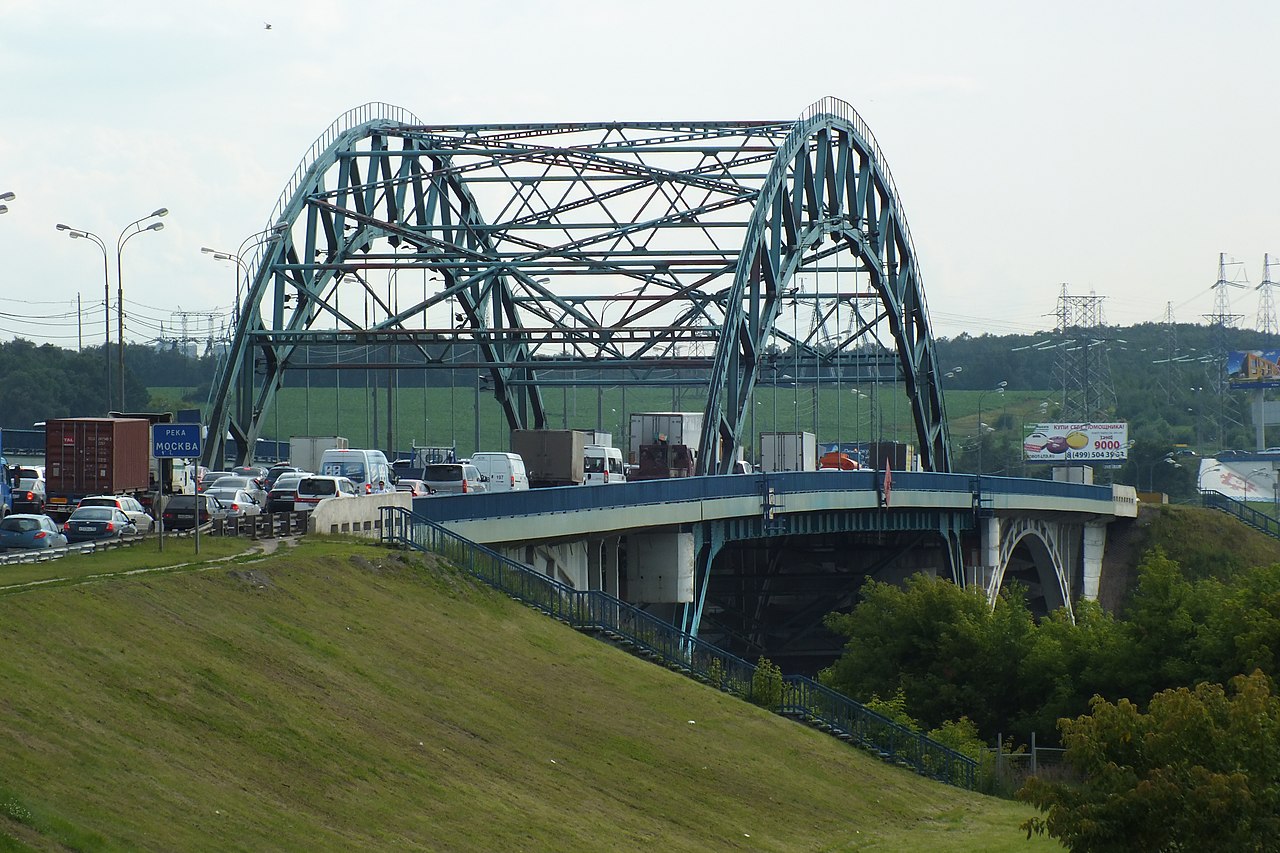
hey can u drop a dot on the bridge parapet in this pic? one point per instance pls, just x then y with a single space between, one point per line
1125 499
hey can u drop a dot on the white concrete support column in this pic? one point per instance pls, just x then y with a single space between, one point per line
985 571
1095 542
610 582
594 578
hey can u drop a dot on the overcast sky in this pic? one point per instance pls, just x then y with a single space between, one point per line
1114 147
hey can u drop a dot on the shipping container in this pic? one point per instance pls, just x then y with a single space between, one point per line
95 456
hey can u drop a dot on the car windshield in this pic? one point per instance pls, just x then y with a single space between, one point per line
353 471
312 487
93 513
593 465
100 502
224 494
28 483
442 472
286 483
20 525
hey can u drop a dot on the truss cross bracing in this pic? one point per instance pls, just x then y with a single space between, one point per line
651 252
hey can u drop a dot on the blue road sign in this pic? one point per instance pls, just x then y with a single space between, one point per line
176 441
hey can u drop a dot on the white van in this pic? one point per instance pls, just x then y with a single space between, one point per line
369 470
602 466
506 471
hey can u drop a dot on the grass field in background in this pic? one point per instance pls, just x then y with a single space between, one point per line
444 416
343 696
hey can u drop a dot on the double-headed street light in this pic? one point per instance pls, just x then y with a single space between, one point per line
238 257
998 389
76 233
239 267
125 236
4 208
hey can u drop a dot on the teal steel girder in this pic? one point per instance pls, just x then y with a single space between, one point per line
627 246
827 181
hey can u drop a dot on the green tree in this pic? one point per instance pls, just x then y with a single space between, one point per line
948 652
1199 771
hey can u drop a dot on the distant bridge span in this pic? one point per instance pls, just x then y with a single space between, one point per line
660 253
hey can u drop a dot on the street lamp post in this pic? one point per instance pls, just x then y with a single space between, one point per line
4 208
237 257
998 389
76 233
125 236
239 267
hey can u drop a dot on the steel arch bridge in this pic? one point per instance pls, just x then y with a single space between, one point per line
654 252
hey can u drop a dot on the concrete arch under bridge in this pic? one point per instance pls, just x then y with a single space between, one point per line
536 257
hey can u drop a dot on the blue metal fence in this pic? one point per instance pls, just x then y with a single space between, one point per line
1257 520
592 610
647 492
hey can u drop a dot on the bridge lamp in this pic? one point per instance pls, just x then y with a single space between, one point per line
998 388
125 236
76 234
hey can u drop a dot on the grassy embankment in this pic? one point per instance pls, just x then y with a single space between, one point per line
1206 542
340 696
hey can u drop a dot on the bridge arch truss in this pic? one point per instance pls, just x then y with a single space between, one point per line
611 254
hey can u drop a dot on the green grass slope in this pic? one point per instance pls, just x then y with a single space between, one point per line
342 696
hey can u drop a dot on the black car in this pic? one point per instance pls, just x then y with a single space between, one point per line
274 472
284 491
28 496
180 511
90 523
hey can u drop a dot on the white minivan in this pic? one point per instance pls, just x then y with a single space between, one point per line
602 466
506 471
369 470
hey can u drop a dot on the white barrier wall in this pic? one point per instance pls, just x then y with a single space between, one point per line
359 516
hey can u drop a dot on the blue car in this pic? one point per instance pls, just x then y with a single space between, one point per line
28 532
97 522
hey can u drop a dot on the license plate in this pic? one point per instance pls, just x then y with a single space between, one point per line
57 500
84 529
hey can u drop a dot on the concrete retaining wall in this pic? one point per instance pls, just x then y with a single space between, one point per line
358 515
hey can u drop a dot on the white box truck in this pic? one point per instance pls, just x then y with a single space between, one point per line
670 428
788 451
305 451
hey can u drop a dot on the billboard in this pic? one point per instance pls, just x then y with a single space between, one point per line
1254 369
1065 443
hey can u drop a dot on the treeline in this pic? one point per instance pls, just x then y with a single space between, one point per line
1169 713
949 655
42 382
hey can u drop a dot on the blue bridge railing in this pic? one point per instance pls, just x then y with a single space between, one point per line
1257 520
596 611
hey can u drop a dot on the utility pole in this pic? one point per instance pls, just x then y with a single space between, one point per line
1083 368
1222 319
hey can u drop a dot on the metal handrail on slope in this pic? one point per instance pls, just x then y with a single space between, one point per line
593 610
1259 521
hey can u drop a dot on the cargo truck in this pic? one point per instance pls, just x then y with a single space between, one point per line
95 456
788 451
176 475
305 450
552 457
669 428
